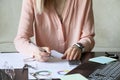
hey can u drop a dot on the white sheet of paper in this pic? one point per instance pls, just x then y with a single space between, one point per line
54 65
13 59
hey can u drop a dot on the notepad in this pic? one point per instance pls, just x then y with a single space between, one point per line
102 59
73 77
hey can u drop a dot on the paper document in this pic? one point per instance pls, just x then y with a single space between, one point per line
73 77
102 59
55 67
13 59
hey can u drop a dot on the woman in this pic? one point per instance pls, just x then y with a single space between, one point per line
63 25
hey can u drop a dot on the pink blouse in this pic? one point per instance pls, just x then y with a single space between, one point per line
77 25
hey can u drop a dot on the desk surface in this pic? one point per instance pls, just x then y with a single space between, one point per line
85 68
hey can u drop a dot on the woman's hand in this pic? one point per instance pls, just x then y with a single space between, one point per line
43 55
72 53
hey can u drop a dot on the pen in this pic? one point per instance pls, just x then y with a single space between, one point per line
8 52
43 50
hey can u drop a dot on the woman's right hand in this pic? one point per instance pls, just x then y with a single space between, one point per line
43 55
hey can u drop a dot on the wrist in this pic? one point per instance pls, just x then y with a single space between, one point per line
80 46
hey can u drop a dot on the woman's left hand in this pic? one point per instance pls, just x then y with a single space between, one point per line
72 53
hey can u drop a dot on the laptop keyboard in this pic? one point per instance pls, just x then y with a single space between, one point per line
109 72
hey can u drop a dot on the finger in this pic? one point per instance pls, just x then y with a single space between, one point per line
75 57
69 53
40 58
45 54
44 58
78 57
37 57
64 55
47 49
73 53
79 52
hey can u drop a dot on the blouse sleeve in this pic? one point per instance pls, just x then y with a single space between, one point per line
25 31
87 37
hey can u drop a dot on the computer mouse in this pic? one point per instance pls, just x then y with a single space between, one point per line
115 56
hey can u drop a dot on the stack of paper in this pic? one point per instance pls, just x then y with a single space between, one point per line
102 59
